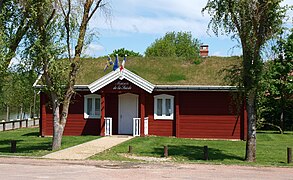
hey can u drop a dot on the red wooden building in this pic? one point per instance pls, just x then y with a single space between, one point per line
122 102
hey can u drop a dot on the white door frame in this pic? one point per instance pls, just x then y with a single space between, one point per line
120 121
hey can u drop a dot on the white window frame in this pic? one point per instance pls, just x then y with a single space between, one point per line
164 116
93 97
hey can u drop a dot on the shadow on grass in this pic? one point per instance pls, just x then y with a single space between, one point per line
275 132
34 134
195 153
24 147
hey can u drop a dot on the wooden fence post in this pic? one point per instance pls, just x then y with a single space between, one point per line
4 126
289 155
26 121
13 146
13 125
130 149
166 151
206 153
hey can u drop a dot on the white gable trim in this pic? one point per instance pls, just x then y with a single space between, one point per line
124 74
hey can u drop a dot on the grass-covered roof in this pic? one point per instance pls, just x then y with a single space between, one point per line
163 71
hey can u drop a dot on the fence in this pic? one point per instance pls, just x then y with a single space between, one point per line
16 124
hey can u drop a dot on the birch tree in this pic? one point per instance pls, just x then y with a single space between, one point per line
253 22
61 25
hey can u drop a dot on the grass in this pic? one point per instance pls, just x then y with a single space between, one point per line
271 149
163 71
30 144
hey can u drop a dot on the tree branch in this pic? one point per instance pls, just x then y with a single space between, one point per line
95 9
50 18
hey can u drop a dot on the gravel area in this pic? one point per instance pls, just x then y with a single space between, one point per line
27 169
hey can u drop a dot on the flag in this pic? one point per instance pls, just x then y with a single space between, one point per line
116 63
124 60
109 63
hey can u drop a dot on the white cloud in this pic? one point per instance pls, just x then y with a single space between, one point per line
94 50
155 17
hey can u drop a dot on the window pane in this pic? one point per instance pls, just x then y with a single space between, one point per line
159 107
97 106
89 106
168 107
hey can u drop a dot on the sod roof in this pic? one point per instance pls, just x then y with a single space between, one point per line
163 71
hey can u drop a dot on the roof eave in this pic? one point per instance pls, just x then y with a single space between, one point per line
194 88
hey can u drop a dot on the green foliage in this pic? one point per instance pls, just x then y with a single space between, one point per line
180 44
17 90
197 61
253 23
276 103
45 49
122 52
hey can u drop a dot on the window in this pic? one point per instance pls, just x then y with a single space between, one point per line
92 106
164 107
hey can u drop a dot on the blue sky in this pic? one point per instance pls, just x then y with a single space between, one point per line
135 24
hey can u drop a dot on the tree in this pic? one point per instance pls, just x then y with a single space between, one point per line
180 44
59 26
253 22
122 52
278 85
19 80
15 20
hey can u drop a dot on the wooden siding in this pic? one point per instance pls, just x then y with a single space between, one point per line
76 124
209 115
196 115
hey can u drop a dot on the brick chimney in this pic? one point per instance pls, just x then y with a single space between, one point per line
204 51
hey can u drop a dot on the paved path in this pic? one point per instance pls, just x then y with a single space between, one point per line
27 169
85 150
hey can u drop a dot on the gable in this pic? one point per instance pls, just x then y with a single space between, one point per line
123 74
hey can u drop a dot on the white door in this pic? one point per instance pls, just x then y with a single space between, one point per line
128 109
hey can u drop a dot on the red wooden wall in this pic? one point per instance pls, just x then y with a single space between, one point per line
76 124
209 115
197 115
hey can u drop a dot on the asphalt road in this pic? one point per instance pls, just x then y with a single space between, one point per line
22 168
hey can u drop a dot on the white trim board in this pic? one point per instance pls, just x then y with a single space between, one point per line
124 74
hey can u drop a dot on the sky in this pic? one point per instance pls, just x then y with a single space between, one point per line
136 24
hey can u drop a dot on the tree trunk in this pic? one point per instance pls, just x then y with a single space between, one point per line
7 113
21 112
282 121
34 108
30 113
251 128
58 128
57 136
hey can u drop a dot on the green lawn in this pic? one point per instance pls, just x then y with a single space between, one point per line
29 144
271 149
